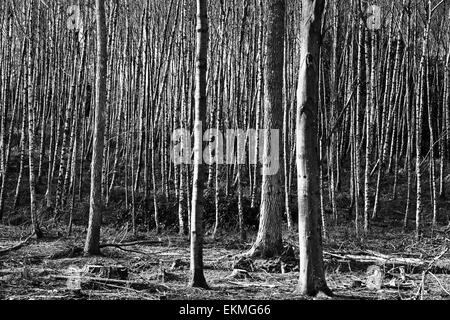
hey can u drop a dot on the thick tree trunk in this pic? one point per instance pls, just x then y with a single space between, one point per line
312 274
269 240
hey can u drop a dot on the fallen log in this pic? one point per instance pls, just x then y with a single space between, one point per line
17 246
249 285
361 262
122 246
130 244
35 271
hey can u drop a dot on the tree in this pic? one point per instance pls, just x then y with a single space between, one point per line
199 178
31 125
92 245
420 97
269 240
312 274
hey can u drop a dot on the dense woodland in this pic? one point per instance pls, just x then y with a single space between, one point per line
91 93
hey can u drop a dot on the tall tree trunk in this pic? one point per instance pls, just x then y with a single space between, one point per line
269 240
198 183
92 245
312 274
31 124
419 111
358 107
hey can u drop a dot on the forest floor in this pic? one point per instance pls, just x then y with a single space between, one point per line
160 270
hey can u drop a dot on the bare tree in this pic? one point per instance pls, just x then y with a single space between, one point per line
199 178
269 240
31 124
92 245
312 274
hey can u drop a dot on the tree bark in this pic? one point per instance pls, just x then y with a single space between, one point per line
31 126
198 183
92 246
312 274
269 240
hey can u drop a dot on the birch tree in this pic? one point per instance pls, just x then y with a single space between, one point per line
92 245
199 178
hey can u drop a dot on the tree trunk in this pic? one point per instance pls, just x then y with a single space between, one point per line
198 183
312 274
96 202
269 240
31 124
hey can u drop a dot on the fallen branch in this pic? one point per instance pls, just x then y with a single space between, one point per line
77 251
440 284
130 244
110 282
428 270
117 246
247 285
17 246
373 258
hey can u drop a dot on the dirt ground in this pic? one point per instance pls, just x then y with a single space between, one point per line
42 269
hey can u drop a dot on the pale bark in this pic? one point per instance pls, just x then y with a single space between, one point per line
92 245
198 183
312 274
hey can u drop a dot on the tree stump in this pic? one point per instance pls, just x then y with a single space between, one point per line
375 276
